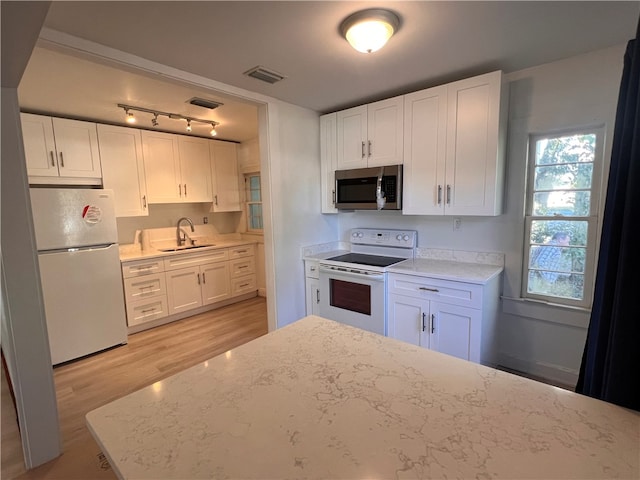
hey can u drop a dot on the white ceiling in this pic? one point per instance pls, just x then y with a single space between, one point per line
437 42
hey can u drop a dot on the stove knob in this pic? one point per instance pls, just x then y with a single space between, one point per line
398 237
354 234
360 234
405 238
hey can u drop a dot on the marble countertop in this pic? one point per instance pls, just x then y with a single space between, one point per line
133 252
448 270
318 399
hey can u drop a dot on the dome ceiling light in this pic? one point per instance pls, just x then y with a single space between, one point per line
369 30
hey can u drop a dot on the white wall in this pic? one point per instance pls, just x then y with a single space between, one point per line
541 340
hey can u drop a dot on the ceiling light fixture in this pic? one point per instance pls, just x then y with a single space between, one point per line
369 30
130 118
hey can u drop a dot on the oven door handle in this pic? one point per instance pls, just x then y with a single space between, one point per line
352 272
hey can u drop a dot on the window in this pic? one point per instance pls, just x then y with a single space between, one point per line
254 202
561 216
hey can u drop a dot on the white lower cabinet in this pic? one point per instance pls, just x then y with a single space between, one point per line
145 291
178 285
456 318
312 287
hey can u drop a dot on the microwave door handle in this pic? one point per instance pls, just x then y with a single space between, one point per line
380 199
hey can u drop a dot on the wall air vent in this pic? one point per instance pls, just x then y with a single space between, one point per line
265 75
203 102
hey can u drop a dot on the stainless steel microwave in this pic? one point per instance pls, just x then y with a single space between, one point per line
373 188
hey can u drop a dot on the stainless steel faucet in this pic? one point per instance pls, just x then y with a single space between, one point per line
179 238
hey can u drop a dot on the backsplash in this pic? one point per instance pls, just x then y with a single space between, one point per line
484 258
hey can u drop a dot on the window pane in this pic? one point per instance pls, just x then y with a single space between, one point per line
255 216
557 258
572 176
569 149
576 204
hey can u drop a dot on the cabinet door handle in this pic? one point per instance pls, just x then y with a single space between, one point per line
429 289
185 189
448 194
424 325
439 194
215 200
370 148
198 279
53 161
144 201
312 269
180 189
204 278
61 160
433 322
362 149
333 194
317 295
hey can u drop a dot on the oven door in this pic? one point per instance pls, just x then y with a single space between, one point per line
355 297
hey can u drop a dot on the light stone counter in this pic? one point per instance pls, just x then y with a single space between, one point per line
448 270
318 399
133 251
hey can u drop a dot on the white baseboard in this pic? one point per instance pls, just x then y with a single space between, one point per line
545 372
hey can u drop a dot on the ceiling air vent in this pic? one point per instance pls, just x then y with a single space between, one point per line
203 102
265 75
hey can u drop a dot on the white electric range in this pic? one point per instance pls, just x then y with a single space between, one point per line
354 285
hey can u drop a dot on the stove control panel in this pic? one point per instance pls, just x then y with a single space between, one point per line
386 238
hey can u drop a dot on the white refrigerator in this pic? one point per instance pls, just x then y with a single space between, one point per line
80 270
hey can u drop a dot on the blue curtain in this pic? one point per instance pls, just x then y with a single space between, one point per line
610 367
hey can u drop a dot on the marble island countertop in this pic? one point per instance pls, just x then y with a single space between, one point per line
318 399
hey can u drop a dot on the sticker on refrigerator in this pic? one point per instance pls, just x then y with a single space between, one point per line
91 214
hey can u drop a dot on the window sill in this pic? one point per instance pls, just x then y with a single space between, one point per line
548 312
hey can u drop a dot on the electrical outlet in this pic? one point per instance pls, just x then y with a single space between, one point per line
205 220
457 222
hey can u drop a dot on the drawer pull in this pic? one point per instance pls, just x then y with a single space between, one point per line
243 266
312 269
244 285
146 310
241 251
429 289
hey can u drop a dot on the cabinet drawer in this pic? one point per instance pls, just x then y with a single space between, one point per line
311 268
146 310
242 285
144 286
188 260
458 293
242 266
142 267
243 251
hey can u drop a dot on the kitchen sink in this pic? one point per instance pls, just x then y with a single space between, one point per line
185 247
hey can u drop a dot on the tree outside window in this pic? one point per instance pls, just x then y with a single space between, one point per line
562 217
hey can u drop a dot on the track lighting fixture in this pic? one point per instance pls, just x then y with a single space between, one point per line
130 118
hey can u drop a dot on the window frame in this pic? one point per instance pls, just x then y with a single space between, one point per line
592 219
248 202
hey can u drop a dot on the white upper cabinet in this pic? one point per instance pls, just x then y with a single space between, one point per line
195 169
470 180
176 167
162 167
61 151
370 135
225 180
425 135
328 162
123 169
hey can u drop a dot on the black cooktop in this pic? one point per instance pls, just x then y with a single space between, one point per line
364 259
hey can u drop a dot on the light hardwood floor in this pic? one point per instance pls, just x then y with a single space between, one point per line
149 356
